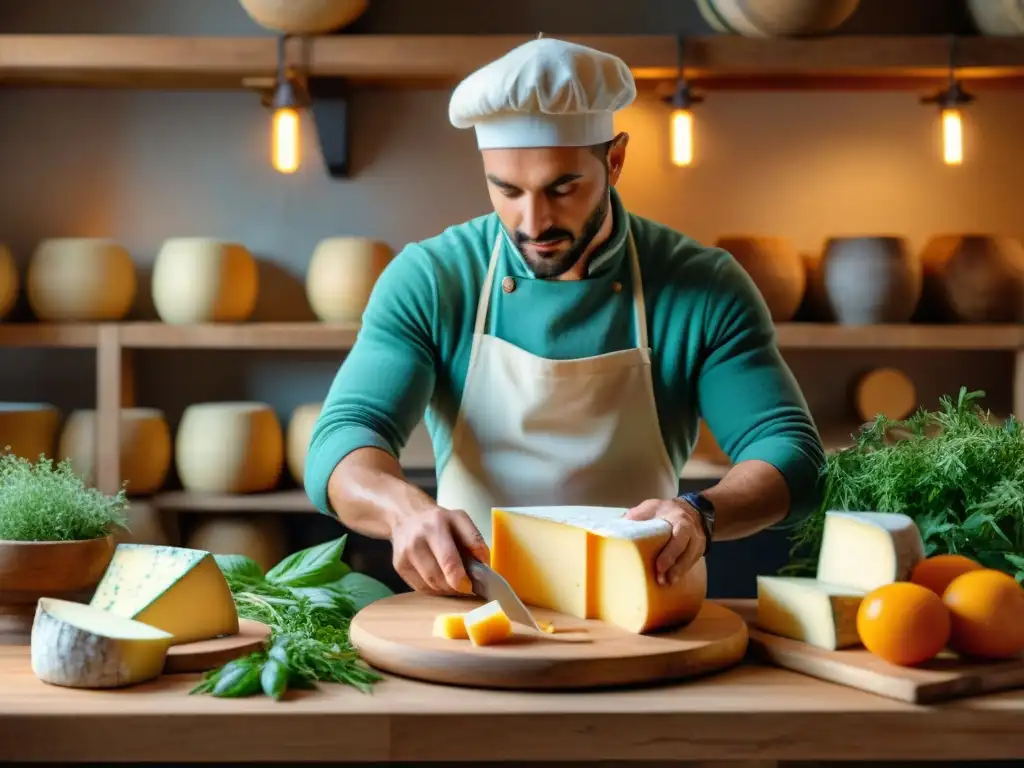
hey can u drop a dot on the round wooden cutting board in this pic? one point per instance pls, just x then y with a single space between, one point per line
210 654
394 635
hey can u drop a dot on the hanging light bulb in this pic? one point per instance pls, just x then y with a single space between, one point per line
681 145
286 152
950 102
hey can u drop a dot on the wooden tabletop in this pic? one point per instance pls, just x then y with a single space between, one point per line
747 713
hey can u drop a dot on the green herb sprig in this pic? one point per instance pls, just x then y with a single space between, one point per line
41 501
308 600
957 472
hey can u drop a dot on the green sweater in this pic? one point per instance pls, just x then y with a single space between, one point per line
712 339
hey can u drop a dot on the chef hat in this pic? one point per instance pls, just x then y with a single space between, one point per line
544 93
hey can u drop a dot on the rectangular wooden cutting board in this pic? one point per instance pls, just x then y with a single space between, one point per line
946 677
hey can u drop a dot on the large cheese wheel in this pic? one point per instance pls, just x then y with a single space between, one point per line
231 447
28 429
998 17
775 266
304 17
202 280
776 18
259 536
341 276
148 524
300 430
81 279
145 442
9 281
885 391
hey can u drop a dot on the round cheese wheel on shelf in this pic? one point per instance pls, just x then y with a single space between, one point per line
341 275
80 279
885 391
202 280
300 430
229 447
304 17
28 429
775 266
145 443
9 281
148 524
259 536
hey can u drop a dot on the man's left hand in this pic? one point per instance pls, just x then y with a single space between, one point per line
687 544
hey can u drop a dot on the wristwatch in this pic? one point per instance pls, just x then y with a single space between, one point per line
706 511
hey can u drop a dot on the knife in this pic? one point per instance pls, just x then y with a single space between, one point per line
489 584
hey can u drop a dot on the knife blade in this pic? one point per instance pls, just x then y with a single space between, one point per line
489 584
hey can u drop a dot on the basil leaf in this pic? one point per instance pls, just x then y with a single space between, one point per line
362 589
325 596
311 567
274 678
239 566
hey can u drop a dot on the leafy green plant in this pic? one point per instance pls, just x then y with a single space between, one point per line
40 501
308 600
957 472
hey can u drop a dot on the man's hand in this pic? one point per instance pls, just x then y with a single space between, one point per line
427 549
687 544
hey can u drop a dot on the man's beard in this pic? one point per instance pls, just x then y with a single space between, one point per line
555 264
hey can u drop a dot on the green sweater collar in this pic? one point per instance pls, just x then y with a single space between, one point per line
606 260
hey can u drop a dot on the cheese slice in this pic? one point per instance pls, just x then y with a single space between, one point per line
816 613
590 563
866 550
487 624
80 646
178 590
451 626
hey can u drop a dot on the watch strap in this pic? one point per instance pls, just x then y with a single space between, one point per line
706 512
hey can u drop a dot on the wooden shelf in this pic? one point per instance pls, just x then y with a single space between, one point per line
724 61
323 336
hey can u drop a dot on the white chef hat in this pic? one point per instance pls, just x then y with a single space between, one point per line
544 93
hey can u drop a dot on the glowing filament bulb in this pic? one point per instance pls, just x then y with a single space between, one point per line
285 140
952 137
682 137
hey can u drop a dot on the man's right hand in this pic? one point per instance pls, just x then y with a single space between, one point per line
427 548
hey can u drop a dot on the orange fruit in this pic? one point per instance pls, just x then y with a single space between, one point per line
986 610
938 571
903 623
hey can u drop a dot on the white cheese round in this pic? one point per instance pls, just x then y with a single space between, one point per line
259 536
28 429
300 430
81 646
229 447
81 279
202 280
145 442
341 275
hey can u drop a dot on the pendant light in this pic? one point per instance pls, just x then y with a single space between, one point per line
950 102
681 144
287 103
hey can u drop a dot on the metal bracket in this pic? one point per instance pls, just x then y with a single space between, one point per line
328 104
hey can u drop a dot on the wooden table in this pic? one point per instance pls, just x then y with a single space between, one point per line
751 712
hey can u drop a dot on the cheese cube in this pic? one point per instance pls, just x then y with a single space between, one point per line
487 624
178 590
590 563
80 646
866 550
808 610
451 626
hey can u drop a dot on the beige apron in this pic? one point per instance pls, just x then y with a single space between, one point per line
533 431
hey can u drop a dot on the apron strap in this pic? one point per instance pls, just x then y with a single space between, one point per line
639 305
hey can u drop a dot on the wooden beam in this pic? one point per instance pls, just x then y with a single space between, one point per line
723 61
278 336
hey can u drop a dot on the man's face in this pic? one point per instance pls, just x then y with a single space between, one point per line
552 201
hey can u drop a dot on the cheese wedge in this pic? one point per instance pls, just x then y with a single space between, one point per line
451 626
487 624
808 610
178 590
80 646
866 550
590 563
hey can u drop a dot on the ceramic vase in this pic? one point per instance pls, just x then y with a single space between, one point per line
868 280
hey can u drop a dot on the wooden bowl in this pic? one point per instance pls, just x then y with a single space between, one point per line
32 569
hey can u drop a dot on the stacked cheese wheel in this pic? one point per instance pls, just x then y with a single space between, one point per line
150 598
28 430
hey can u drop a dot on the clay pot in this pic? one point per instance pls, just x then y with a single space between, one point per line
973 279
304 17
32 569
776 268
869 280
776 18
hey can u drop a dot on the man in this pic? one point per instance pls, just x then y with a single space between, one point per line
563 348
